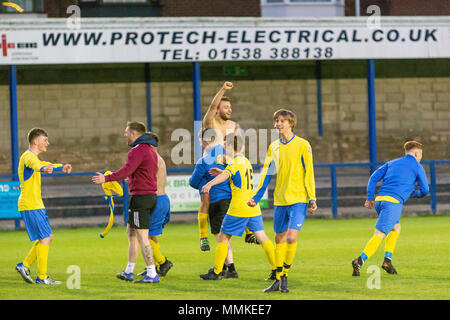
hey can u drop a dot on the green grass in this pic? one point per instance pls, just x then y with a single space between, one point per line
321 270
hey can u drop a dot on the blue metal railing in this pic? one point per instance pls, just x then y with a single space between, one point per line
333 175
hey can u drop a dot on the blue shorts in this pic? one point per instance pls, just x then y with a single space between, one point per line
289 217
235 226
36 223
388 215
160 216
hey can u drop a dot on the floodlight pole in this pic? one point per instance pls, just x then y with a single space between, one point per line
148 96
14 127
197 110
372 114
319 96
357 8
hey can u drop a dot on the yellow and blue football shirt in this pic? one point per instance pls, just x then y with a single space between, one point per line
292 162
30 181
241 182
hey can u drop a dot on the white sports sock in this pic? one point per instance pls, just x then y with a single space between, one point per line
151 271
130 267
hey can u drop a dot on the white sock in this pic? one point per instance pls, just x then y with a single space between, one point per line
130 267
151 271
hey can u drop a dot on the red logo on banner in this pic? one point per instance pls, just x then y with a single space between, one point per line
5 45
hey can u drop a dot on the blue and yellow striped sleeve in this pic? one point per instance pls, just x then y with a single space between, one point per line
269 169
231 170
307 162
56 166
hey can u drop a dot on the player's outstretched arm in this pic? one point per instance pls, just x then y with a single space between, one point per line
99 178
219 179
269 169
47 169
212 110
67 168
215 171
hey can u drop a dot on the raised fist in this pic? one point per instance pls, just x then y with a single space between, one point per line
228 85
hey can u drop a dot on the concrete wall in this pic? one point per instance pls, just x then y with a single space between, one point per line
86 121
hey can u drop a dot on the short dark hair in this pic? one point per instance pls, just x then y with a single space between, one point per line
137 126
36 132
225 98
409 145
207 134
235 140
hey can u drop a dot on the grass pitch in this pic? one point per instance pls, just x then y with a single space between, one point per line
321 270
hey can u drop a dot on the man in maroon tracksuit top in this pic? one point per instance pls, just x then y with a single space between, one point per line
140 168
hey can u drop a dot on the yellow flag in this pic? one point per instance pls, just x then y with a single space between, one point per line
108 188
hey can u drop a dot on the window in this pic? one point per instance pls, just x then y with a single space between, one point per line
120 8
124 1
115 1
27 6
311 1
300 1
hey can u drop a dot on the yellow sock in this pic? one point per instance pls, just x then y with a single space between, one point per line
372 246
42 258
280 253
159 258
291 248
219 258
247 231
391 241
269 249
31 256
203 224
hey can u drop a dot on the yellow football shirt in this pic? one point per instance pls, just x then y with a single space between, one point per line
241 183
292 162
30 181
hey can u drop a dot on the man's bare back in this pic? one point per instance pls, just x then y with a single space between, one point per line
161 176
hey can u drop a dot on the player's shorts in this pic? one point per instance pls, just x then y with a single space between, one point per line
289 217
235 226
160 216
217 212
388 215
37 224
140 209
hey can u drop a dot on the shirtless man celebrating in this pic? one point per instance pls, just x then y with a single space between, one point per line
218 118
219 113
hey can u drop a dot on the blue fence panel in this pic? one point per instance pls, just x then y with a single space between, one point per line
333 187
